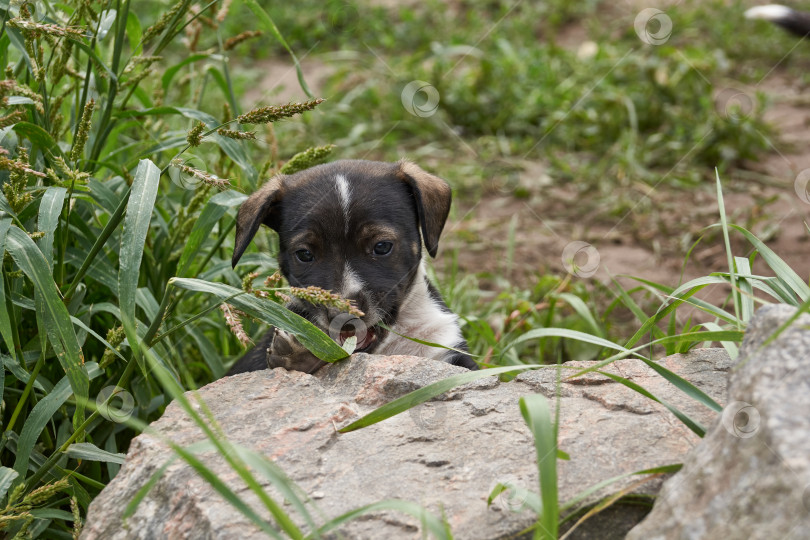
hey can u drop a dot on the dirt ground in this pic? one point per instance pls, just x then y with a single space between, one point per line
650 241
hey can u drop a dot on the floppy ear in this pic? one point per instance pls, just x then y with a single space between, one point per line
261 207
433 197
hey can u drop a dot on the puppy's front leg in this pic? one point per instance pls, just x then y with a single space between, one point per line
286 352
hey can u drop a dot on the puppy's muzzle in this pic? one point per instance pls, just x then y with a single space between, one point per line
342 326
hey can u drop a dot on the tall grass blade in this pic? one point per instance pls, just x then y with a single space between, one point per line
307 333
39 137
7 476
56 317
431 523
133 238
536 414
49 209
428 392
267 24
36 421
225 449
729 346
723 335
5 318
92 452
210 215
583 311
782 270
746 292
540 333
584 494
684 386
106 232
700 283
683 417
727 242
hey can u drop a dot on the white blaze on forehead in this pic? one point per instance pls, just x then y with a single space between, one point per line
344 195
351 283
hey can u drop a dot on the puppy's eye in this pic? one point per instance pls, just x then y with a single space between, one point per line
383 248
304 255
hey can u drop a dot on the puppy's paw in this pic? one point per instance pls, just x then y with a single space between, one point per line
286 352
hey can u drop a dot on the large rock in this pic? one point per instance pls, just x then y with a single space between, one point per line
750 476
446 455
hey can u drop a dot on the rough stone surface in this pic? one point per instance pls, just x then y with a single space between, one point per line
446 454
750 476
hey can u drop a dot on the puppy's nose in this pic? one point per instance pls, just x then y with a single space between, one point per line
334 313
359 303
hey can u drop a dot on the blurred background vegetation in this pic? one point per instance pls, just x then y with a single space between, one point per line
553 121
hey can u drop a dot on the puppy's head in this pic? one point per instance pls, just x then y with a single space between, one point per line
351 227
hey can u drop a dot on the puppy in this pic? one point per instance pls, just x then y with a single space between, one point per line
356 228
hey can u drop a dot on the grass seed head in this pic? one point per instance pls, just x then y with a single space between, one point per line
306 159
316 295
12 118
194 136
239 135
272 113
161 24
206 178
234 321
231 43
37 29
84 131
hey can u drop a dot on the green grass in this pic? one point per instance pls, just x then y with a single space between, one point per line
117 254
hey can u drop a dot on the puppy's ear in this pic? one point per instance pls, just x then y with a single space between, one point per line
433 197
261 207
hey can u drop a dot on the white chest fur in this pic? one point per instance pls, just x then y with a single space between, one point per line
421 317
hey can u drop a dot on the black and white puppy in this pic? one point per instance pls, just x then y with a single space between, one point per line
356 228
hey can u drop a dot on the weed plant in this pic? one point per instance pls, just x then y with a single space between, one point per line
124 151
